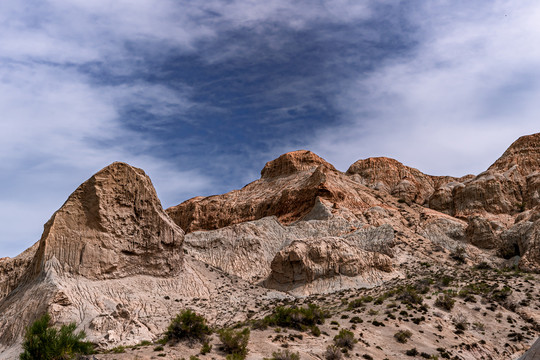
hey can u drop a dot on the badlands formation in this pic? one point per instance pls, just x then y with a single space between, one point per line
452 263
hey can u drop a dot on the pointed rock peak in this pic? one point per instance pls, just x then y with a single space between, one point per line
293 162
112 226
524 152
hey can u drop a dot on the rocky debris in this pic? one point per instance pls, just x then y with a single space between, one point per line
12 270
304 261
483 233
112 226
523 239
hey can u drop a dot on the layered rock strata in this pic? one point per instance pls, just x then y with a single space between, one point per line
288 189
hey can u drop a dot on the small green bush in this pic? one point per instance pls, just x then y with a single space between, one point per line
402 336
235 342
235 357
445 302
333 353
284 355
188 326
299 318
206 348
345 339
409 295
44 342
118 350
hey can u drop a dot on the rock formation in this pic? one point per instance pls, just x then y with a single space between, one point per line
112 260
112 226
288 188
305 261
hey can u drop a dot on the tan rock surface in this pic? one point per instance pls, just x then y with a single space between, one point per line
393 177
12 269
112 226
304 261
288 189
248 249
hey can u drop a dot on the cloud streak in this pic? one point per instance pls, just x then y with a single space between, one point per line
453 104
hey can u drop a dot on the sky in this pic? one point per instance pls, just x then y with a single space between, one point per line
201 94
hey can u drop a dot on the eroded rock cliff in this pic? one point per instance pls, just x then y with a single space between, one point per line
112 226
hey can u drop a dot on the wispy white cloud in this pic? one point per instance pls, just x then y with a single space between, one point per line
59 125
454 104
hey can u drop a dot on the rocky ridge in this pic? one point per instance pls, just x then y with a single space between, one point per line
115 262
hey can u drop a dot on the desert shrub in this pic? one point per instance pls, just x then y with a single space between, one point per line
235 357
402 336
460 322
411 352
446 280
409 295
345 339
188 326
206 348
315 331
333 353
356 303
234 341
284 355
117 350
299 318
500 295
445 302
44 342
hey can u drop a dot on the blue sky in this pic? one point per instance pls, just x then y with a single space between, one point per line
201 94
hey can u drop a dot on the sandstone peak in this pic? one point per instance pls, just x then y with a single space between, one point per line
292 162
524 152
391 176
392 167
112 226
